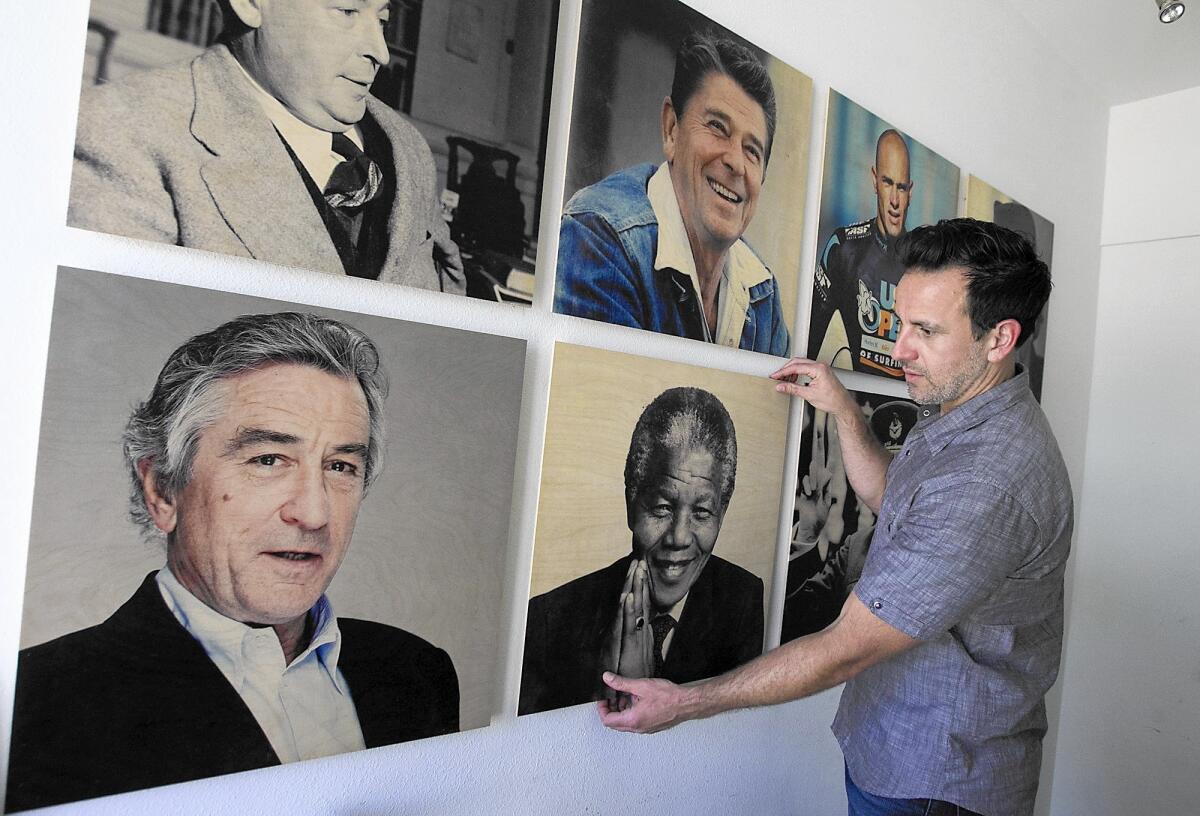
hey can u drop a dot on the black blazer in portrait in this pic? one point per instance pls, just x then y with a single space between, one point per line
134 702
567 629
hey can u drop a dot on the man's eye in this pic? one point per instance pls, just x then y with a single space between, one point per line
702 514
343 467
266 460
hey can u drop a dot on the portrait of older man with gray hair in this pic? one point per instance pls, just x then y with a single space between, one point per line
670 608
249 459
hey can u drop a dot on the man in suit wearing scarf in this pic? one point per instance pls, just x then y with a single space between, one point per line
269 145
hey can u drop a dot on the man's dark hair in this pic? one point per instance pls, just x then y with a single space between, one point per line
681 419
1005 277
190 393
702 53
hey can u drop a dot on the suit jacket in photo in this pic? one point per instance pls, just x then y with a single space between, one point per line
568 628
185 155
134 702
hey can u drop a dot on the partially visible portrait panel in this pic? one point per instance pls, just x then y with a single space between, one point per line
986 203
683 216
186 525
831 526
657 522
403 143
878 183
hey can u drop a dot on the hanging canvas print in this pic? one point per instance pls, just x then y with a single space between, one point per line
685 180
657 523
396 141
878 183
831 529
986 203
248 544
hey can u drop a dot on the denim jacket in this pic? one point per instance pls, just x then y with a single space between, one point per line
606 250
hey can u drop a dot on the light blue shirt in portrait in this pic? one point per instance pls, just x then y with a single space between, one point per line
304 708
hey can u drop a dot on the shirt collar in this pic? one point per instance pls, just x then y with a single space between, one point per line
223 639
313 146
939 429
742 268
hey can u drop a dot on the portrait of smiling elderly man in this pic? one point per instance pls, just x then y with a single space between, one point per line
269 145
250 458
670 608
661 247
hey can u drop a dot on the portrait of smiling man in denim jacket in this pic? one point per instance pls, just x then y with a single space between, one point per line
660 247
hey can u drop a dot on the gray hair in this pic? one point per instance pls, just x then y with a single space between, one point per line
191 392
681 419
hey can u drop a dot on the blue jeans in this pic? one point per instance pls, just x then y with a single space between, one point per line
862 803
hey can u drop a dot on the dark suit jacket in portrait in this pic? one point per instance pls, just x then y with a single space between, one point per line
568 628
135 702
185 155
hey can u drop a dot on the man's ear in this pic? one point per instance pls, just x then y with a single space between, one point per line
161 508
670 122
1004 339
248 11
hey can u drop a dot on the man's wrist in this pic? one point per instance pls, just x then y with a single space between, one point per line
850 420
700 701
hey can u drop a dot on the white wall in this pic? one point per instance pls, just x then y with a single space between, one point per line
1129 735
981 89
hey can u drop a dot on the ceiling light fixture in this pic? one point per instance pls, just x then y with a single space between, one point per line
1169 10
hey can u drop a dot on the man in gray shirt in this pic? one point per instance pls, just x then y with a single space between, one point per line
953 634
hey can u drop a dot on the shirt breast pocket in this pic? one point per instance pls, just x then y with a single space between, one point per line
894 512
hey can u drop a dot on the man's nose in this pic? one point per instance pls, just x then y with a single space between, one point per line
734 159
903 350
374 44
679 534
308 505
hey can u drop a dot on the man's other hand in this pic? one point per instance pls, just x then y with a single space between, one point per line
653 704
816 384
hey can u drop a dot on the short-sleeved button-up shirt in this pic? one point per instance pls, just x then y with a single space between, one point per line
968 557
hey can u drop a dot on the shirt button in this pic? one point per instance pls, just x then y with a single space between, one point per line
908 453
878 604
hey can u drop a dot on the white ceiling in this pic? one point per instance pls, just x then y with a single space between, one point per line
1119 47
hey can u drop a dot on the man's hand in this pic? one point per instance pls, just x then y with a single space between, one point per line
630 649
816 384
653 705
859 455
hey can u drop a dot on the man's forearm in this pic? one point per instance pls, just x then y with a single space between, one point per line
865 460
796 669
852 643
